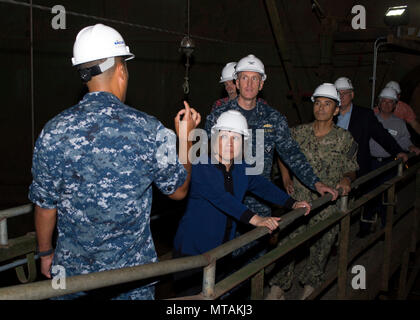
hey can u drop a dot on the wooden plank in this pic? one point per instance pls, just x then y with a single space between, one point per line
18 247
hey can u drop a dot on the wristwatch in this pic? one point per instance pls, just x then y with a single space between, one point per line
44 253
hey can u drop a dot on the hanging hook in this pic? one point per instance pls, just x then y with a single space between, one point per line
20 272
186 86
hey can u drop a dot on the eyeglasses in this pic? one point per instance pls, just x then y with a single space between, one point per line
343 93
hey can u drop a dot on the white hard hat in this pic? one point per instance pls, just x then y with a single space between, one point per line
389 93
250 63
343 83
99 42
232 120
394 85
227 72
327 90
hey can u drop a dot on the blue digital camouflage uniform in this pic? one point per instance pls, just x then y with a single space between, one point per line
276 137
96 162
331 156
219 102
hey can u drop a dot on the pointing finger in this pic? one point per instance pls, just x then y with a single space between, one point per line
187 109
187 106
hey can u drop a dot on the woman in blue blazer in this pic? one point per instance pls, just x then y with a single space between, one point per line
217 189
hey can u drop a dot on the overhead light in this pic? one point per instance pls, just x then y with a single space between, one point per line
395 11
396 16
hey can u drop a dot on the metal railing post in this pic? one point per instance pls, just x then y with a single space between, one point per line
343 250
4 238
400 169
209 279
402 286
257 286
388 237
416 214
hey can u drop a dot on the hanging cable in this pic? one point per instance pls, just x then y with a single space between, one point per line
188 18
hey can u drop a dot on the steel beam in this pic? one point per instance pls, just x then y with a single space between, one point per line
388 238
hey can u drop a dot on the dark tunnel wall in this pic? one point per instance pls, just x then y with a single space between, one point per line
156 75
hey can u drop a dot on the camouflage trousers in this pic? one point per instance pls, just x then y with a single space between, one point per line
313 272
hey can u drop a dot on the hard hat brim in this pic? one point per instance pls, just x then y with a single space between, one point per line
129 56
326 96
226 79
222 128
263 75
388 97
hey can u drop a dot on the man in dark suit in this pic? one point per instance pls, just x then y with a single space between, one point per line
363 125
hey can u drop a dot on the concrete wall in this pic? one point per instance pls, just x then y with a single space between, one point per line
156 75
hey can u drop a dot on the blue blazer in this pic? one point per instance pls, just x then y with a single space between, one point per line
203 225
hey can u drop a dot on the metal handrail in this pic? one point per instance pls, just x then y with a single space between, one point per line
85 282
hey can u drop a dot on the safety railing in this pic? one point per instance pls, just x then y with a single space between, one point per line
12 248
10 213
28 240
254 270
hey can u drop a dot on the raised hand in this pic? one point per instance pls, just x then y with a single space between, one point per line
190 119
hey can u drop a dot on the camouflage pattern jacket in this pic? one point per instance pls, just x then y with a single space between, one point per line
330 156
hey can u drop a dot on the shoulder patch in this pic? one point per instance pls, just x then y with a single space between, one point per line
352 150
